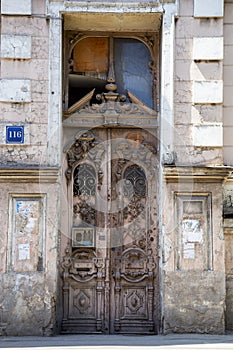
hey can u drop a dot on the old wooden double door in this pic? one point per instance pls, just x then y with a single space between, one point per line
110 268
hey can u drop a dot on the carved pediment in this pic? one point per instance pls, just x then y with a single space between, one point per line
112 103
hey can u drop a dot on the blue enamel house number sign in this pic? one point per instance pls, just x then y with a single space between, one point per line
15 134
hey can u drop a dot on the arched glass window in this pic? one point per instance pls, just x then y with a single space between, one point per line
135 181
94 59
84 180
84 191
131 62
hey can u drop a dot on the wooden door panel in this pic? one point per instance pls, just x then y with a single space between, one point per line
134 268
111 286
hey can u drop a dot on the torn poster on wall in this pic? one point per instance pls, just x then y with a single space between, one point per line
192 233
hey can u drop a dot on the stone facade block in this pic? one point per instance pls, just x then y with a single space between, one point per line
227 117
39 7
228 132
15 90
183 91
204 71
208 91
228 55
35 26
208 48
227 75
183 135
186 8
16 46
194 156
21 154
228 93
208 8
32 69
39 90
206 113
40 47
228 38
39 112
183 49
228 11
228 155
189 27
208 135
35 131
15 112
12 7
183 70
183 113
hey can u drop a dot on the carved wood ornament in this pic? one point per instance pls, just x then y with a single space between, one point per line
111 100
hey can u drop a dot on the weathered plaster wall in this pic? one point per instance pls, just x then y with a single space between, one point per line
228 83
201 289
228 236
228 229
27 294
198 86
200 307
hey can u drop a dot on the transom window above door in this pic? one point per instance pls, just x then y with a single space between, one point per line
127 62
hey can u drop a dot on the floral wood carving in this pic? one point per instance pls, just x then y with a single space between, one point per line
85 212
86 147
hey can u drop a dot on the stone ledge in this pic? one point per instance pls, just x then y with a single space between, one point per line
28 175
196 174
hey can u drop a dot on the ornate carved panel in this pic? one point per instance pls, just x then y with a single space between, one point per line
134 303
83 302
83 276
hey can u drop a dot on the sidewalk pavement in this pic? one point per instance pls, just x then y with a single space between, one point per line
119 342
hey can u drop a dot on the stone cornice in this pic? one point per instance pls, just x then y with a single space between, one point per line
29 175
114 4
197 174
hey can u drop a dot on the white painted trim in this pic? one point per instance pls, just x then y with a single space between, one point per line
166 123
55 92
167 82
